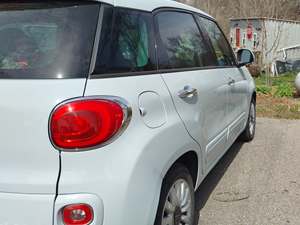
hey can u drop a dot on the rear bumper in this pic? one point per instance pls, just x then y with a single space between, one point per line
26 209
31 209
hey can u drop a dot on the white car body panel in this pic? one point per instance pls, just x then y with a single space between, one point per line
238 104
205 115
133 166
29 163
26 209
122 180
152 5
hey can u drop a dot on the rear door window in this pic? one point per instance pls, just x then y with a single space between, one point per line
126 43
47 39
219 43
180 43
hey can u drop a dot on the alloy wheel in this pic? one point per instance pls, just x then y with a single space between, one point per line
178 205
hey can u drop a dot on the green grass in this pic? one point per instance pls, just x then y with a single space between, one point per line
281 86
275 97
264 89
275 81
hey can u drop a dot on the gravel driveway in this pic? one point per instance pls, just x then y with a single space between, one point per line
257 183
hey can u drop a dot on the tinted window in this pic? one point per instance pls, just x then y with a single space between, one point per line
221 47
46 39
126 45
181 44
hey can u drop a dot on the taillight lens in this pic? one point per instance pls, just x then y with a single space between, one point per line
85 123
77 214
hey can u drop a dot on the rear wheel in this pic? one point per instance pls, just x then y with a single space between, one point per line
177 200
249 131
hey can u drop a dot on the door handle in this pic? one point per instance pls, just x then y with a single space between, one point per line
187 92
231 81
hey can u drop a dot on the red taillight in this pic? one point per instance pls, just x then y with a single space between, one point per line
85 123
77 214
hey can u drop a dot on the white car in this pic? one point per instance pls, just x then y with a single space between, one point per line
113 112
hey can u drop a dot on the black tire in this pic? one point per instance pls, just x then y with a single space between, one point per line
249 133
176 174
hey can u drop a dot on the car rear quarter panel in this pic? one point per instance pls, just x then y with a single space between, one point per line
127 174
29 163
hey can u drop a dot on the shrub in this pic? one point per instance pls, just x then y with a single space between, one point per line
263 89
284 90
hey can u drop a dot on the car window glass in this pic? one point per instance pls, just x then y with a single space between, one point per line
47 40
220 45
125 45
181 44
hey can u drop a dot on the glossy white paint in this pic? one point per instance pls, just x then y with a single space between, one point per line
122 181
150 5
152 109
26 209
217 115
238 103
205 115
29 163
128 173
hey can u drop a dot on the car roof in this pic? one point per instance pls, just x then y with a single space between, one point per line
150 5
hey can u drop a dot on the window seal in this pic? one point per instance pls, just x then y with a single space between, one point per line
96 41
156 72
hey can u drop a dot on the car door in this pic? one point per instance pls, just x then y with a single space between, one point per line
238 85
199 88
238 105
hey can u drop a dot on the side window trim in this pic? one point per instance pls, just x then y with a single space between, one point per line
97 40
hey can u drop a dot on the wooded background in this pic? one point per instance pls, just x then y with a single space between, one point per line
223 10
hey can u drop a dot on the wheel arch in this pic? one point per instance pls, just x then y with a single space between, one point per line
191 161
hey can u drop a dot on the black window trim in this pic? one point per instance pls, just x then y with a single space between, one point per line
154 36
96 40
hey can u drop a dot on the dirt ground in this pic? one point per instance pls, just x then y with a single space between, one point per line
256 183
283 108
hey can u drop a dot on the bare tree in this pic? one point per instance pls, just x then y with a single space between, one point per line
223 10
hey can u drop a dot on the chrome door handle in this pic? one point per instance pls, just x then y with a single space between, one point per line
231 81
187 92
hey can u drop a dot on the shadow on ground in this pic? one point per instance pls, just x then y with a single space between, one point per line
211 181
